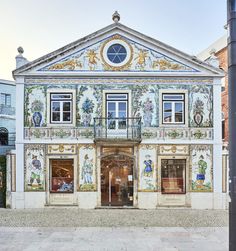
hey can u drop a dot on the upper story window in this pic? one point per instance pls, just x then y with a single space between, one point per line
61 108
5 99
173 108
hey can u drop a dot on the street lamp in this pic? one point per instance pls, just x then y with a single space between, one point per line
231 6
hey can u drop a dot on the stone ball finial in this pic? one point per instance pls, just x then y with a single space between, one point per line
20 50
116 17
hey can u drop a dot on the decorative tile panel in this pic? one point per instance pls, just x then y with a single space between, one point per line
173 149
61 149
138 58
201 168
87 168
34 167
147 168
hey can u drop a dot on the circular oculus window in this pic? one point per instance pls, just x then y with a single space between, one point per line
116 53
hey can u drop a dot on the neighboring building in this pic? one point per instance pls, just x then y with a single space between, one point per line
7 130
118 119
7 115
219 49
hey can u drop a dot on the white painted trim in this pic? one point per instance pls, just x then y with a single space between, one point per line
73 107
173 91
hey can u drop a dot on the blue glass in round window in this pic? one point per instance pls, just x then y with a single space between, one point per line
116 53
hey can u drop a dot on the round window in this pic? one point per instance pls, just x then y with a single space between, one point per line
116 53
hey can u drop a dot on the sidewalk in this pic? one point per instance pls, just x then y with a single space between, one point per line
112 230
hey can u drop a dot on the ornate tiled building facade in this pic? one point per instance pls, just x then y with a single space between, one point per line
118 119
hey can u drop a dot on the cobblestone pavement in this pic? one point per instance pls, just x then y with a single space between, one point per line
113 230
71 217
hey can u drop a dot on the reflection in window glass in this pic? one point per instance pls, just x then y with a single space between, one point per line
173 108
61 108
173 175
62 176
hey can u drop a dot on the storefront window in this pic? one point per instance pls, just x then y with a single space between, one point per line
62 176
173 176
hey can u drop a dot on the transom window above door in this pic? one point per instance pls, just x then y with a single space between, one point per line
61 108
173 108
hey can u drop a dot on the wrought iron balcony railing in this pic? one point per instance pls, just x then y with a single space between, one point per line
117 128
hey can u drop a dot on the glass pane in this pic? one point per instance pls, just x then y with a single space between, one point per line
55 106
61 96
122 114
233 5
167 117
111 115
66 116
56 116
116 53
62 176
179 107
66 106
111 106
117 96
173 97
178 117
111 124
167 107
122 124
173 176
122 106
8 100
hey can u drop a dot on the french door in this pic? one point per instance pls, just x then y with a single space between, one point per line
116 113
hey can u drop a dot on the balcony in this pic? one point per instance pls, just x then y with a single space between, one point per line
117 129
7 110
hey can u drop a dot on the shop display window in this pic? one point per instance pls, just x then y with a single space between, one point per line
173 176
62 176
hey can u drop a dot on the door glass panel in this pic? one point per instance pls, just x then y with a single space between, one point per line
117 181
173 175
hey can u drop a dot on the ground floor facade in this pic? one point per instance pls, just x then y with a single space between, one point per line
114 174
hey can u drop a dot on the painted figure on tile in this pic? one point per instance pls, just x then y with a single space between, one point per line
147 112
87 170
36 170
148 169
202 166
141 58
92 59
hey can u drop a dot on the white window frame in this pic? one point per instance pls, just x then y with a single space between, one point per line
185 107
72 111
114 92
6 99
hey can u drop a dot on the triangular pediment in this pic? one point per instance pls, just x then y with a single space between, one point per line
138 58
117 48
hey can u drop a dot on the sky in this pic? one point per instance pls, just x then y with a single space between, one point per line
42 26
